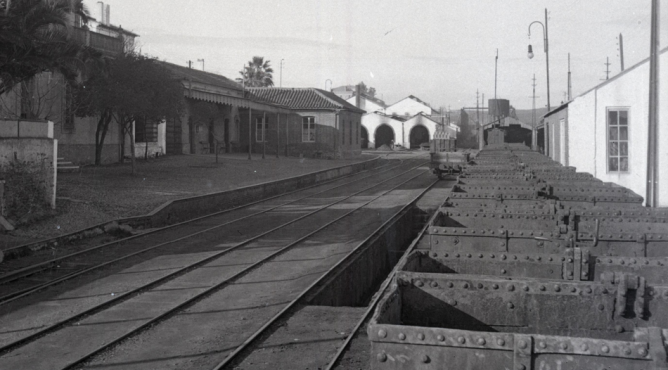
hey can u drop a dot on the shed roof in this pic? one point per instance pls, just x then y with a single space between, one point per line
303 98
208 78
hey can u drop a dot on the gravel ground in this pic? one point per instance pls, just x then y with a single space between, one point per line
100 194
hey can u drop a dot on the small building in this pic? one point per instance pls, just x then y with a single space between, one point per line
507 130
604 131
379 129
408 132
321 123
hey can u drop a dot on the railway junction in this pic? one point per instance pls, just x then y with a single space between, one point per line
511 261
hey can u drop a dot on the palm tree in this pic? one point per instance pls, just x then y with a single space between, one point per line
258 73
34 38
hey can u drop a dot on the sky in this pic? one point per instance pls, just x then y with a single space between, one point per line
440 51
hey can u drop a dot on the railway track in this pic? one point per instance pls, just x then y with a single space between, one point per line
221 273
53 271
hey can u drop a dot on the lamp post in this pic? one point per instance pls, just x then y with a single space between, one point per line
201 60
547 64
281 81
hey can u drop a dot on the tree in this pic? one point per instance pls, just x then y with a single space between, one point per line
129 88
258 73
35 37
365 90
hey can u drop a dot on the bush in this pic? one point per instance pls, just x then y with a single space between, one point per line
25 199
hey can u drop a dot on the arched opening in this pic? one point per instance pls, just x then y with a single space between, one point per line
418 135
365 138
384 136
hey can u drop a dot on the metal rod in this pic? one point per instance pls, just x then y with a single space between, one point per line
652 135
621 51
547 63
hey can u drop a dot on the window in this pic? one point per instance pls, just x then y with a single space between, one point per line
618 140
357 136
260 129
343 132
68 112
308 129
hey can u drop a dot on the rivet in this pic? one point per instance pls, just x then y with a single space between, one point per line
495 286
604 291
588 289
466 285
480 285
420 336
585 347
450 284
481 341
605 349
514 257
382 333
434 284
574 289
542 345
480 255
468 255
511 305
619 328
500 342
628 351
526 288
402 336
503 257
419 283
522 344
511 288
434 254
424 359
461 340
601 307
521 367
491 256
381 357
557 288
542 288
440 338
457 255
642 352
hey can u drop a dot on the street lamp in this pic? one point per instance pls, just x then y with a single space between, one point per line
201 60
547 54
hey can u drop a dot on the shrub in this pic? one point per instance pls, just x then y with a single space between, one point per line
25 199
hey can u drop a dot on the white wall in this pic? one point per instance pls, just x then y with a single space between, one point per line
408 107
366 104
587 136
371 121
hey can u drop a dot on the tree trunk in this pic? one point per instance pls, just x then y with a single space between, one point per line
122 127
131 132
145 142
100 134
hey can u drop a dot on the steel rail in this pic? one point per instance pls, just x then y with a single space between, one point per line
250 340
379 295
33 270
239 274
27 271
129 294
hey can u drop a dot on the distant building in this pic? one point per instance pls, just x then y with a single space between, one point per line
368 103
409 107
322 124
604 130
408 132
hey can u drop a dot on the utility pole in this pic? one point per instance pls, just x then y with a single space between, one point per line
281 81
621 51
201 60
607 68
477 112
534 136
496 62
190 64
569 80
652 189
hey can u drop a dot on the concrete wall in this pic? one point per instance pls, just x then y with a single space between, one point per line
371 121
191 133
35 147
366 104
587 128
421 121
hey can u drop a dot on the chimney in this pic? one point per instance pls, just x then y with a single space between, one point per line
358 96
106 15
100 15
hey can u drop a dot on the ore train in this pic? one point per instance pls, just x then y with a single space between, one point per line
529 265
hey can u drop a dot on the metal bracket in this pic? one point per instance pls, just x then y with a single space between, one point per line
577 264
523 352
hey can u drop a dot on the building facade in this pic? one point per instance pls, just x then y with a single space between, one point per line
604 131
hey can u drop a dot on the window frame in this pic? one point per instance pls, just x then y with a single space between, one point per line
609 141
310 122
261 124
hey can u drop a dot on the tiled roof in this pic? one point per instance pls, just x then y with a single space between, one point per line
303 98
196 75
